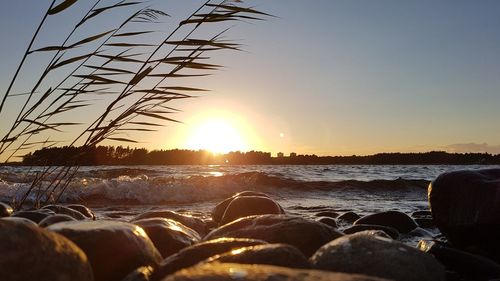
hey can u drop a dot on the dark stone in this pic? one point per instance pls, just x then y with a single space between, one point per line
473 267
348 217
377 256
142 273
247 272
55 219
328 221
392 232
167 235
219 209
35 216
114 248
330 214
5 210
243 206
421 214
400 221
20 220
307 235
29 252
192 222
270 254
466 208
194 254
83 209
420 232
58 209
425 222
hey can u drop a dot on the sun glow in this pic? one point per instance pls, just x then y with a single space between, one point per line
218 135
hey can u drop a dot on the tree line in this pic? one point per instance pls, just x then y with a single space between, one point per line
110 155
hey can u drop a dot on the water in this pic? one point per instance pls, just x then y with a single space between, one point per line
361 188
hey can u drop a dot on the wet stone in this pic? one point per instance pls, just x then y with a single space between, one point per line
84 210
114 248
5 210
194 254
58 209
29 252
192 222
219 210
348 217
270 254
242 206
328 221
35 215
55 219
391 232
395 219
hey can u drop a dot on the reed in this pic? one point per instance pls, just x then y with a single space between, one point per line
118 78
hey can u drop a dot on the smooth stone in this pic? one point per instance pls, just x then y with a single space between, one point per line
243 206
328 221
199 252
377 256
305 234
192 222
391 232
421 214
466 209
114 248
420 232
348 217
247 272
29 252
168 236
220 208
35 216
270 254
19 220
398 220
5 210
58 209
375 232
471 266
55 219
425 222
86 211
142 273
330 214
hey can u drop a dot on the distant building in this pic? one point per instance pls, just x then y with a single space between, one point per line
281 155
293 154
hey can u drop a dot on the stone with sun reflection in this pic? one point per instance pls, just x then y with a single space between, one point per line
192 222
113 248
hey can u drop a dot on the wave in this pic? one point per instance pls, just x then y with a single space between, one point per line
141 186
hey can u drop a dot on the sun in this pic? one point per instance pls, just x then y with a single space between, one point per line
218 135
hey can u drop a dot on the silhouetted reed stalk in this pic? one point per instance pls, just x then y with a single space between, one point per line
116 70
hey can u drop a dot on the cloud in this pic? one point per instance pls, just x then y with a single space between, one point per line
473 147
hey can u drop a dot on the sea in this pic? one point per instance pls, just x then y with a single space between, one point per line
121 192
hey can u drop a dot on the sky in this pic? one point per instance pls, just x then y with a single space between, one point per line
330 77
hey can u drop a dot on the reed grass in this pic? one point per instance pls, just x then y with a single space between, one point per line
134 77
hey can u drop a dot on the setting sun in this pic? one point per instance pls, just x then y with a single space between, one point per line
217 135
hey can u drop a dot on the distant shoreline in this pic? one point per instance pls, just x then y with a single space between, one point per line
120 156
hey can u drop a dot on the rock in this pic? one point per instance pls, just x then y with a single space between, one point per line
270 254
55 219
192 222
421 214
246 272
83 209
328 221
218 211
243 206
142 273
29 252
473 267
400 221
194 254
58 209
425 222
330 214
114 248
5 210
466 208
19 220
35 216
420 232
377 256
307 235
348 217
167 235
392 232
374 232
